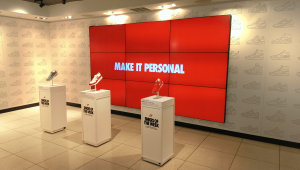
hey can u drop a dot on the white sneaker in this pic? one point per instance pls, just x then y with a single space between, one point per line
97 78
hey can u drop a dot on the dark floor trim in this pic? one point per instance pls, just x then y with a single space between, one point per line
18 108
214 130
74 104
126 114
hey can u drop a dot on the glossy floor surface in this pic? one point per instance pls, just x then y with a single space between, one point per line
23 145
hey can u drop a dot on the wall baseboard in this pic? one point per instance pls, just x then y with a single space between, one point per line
214 130
74 104
19 108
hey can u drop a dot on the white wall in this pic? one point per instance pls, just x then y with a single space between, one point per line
15 86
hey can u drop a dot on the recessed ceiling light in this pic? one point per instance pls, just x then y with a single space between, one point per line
20 11
111 13
40 18
108 13
166 6
67 17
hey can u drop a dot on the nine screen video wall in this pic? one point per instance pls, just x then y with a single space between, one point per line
189 55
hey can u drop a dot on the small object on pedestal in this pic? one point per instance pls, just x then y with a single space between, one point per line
157 86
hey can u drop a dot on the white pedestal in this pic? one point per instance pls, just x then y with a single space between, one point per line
96 116
53 108
157 120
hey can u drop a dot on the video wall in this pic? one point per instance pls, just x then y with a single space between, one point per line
189 55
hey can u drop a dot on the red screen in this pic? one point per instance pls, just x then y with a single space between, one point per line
110 38
156 34
189 55
103 62
201 69
206 34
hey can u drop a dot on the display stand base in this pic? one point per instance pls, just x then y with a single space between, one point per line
54 131
156 162
53 111
96 117
98 144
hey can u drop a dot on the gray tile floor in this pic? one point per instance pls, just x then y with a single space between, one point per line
23 145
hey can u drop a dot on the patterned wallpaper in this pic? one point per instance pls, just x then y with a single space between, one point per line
263 96
24 60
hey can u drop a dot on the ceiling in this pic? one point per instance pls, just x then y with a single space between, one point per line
50 2
80 9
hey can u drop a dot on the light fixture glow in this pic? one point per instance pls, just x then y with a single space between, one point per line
40 18
112 13
120 19
167 14
20 11
166 6
237 28
67 17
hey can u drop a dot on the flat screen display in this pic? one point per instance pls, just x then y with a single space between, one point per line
189 55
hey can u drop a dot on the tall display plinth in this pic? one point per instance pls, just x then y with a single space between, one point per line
53 108
157 121
96 116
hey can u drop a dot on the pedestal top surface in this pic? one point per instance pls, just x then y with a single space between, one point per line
95 94
162 101
51 86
